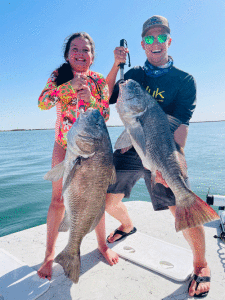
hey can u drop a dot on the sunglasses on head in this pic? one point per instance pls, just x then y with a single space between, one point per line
150 39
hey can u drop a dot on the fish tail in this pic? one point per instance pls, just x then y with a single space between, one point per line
198 213
70 264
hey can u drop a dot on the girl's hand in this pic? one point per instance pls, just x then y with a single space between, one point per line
84 93
120 54
159 179
78 81
124 150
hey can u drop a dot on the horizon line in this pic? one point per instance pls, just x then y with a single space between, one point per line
106 125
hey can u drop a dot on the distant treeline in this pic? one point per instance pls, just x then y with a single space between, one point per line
107 126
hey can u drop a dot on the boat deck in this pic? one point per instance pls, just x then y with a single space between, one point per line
126 280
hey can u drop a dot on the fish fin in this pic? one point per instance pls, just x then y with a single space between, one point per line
181 160
113 176
173 122
98 218
198 213
153 182
65 224
55 173
123 141
70 264
138 135
76 165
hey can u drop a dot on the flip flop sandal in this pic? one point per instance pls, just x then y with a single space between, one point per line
200 279
124 234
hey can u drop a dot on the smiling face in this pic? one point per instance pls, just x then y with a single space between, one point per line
80 56
156 52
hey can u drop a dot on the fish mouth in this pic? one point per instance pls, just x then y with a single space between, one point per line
123 83
84 137
131 95
90 139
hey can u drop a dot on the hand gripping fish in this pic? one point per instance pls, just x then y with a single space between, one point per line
87 172
151 135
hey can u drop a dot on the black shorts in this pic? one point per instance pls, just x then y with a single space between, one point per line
129 170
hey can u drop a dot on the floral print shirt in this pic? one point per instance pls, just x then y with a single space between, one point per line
65 97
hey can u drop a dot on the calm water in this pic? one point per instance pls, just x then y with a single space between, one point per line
25 156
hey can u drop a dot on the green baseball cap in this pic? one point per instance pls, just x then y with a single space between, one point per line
155 21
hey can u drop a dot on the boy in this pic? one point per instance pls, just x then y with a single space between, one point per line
175 92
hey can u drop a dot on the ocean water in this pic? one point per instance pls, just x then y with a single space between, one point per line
25 156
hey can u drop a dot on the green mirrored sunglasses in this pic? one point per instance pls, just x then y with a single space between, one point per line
150 39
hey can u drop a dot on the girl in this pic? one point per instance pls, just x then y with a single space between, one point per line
72 87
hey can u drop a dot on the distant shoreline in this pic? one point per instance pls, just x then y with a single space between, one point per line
48 128
107 126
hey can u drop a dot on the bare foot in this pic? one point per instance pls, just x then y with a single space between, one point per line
45 270
111 256
202 287
112 239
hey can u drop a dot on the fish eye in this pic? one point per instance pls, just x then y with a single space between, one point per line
97 123
136 90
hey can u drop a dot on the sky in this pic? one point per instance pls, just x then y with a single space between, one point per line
33 34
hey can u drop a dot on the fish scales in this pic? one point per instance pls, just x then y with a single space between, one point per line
87 172
93 178
150 134
161 153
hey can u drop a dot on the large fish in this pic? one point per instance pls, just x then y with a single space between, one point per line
87 172
151 135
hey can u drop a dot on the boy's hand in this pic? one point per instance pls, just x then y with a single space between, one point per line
120 54
159 179
123 150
